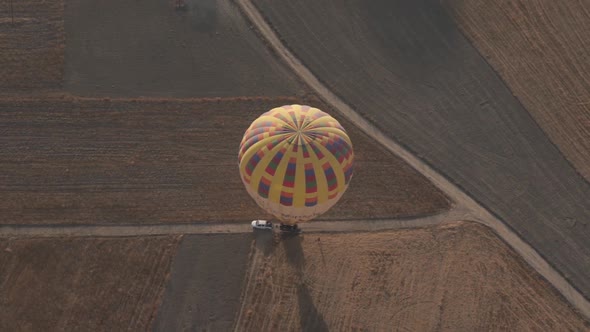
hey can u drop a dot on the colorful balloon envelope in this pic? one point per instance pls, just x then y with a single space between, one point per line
296 162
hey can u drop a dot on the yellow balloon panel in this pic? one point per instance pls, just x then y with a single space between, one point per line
296 162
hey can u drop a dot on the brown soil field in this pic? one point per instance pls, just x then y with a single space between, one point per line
31 44
406 67
147 48
82 284
454 277
91 161
203 291
541 50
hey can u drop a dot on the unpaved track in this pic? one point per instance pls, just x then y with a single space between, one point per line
217 228
469 164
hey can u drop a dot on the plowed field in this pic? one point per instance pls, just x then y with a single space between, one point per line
541 50
203 293
147 48
89 161
82 284
406 67
456 277
31 44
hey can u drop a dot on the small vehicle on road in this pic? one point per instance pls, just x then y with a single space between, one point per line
289 229
262 224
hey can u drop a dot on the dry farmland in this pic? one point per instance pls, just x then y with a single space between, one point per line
406 67
454 277
124 118
82 284
147 48
540 48
31 45
95 161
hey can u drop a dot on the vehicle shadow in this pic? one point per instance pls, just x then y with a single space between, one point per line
265 241
309 316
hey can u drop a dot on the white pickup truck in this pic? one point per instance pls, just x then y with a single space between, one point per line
262 224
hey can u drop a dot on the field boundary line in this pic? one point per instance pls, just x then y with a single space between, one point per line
476 212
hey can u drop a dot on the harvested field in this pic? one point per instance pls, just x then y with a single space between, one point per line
456 277
31 44
206 278
82 284
405 66
147 48
541 50
93 161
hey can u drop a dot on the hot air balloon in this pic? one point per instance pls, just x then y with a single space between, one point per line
296 162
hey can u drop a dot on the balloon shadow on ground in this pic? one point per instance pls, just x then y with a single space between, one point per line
309 316
264 241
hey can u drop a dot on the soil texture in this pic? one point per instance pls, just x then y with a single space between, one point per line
82 284
541 49
31 45
454 277
148 48
206 278
97 161
405 66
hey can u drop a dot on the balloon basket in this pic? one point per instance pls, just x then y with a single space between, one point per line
289 229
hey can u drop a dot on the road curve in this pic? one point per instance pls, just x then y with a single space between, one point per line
473 210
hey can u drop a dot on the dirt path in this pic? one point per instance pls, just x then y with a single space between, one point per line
476 211
220 228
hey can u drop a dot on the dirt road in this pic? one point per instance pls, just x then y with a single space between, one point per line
215 227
